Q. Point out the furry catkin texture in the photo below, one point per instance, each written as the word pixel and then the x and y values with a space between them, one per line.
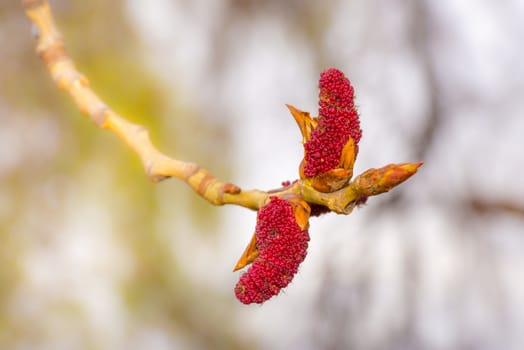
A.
pixel 337 122
pixel 282 247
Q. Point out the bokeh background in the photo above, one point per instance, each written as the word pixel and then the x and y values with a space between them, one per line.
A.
pixel 94 256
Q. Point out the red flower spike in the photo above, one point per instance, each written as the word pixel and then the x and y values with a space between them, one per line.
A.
pixel 282 246
pixel 337 122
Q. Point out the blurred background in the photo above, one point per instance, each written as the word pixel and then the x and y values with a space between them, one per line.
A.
pixel 94 256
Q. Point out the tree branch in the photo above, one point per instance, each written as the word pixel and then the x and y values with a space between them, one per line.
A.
pixel 159 166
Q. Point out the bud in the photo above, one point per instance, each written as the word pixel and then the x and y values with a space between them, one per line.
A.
pixel 376 181
pixel 281 240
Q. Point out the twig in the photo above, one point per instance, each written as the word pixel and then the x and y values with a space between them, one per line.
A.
pixel 159 166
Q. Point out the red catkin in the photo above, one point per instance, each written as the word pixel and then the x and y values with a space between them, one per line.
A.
pixel 337 122
pixel 282 247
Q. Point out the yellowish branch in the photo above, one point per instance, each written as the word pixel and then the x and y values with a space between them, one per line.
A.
pixel 158 166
